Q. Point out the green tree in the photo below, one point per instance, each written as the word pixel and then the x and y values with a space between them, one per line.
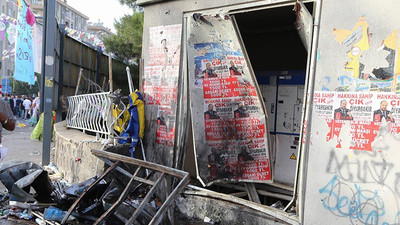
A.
pixel 23 88
pixel 130 3
pixel 127 43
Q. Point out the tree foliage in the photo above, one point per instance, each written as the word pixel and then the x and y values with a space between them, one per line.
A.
pixel 127 43
pixel 23 88
pixel 130 3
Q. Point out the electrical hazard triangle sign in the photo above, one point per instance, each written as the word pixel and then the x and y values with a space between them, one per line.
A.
pixel 293 156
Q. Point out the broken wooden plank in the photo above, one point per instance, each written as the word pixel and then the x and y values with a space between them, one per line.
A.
pixel 79 81
pixel 120 199
pixel 252 192
pixel 126 173
pixel 179 188
pixel 182 175
pixel 144 201
pixel 86 190
pixel 96 204
pixel 239 194
pixel 149 165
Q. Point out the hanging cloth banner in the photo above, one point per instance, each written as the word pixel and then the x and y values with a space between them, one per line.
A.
pixel 3 27
pixel 37 47
pixel 23 55
pixel 11 33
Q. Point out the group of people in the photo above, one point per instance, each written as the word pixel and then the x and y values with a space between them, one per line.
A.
pixel 24 106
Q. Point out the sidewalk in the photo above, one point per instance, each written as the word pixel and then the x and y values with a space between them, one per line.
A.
pixel 19 144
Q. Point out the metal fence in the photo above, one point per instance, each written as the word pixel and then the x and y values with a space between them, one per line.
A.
pixel 90 112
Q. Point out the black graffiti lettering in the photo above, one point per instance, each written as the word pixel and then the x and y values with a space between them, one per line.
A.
pixel 366 171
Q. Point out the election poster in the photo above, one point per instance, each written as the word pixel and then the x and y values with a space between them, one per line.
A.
pixel 37 47
pixel 160 92
pixel 229 124
pixel 362 112
pixel 160 81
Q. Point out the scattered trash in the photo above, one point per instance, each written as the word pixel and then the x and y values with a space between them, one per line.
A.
pixel 54 214
pixel 38 195
pixel 40 221
pixel 18 177
pixel 21 125
pixel 278 205
pixel 34 153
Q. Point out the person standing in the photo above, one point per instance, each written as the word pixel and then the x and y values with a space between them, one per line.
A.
pixel 36 107
pixel 18 106
pixel 27 105
pixel 7 119
pixel 12 104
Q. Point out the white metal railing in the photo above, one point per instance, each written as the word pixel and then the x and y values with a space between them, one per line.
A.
pixel 90 112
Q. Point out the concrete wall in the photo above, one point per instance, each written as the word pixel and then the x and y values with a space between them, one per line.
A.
pixel 72 154
pixel 353 173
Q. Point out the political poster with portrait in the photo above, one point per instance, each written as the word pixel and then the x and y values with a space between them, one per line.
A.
pixel 229 123
pixel 160 91
pixel 362 112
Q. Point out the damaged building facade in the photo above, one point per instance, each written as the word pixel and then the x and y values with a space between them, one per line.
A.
pixel 291 104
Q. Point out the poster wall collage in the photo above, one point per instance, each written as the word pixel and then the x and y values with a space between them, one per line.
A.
pixel 368 96
pixel 160 83
pixel 234 125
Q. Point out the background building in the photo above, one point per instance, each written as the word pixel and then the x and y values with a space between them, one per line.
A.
pixel 7 63
pixel 98 29
pixel 65 14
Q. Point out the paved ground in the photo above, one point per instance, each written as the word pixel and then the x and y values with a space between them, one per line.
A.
pixel 19 144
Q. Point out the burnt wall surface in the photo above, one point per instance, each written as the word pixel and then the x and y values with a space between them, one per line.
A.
pixel 194 208
pixel 163 24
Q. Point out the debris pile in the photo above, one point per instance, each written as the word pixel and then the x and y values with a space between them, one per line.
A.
pixel 37 195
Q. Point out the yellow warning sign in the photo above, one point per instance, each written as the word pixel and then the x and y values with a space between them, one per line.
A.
pixel 293 156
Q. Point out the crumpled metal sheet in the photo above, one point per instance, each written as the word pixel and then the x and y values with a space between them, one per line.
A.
pixel 18 177
pixel 77 189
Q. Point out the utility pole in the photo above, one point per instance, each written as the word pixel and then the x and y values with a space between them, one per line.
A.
pixel 48 76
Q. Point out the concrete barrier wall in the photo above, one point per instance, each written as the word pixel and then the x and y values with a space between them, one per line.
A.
pixel 72 154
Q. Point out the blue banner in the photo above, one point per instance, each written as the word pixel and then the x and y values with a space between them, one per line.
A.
pixel 23 49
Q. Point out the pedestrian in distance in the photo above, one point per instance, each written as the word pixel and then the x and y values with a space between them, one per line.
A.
pixel 27 105
pixel 12 104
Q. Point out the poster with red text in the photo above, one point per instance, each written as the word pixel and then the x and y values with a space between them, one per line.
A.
pixel 362 112
pixel 229 123
pixel 160 86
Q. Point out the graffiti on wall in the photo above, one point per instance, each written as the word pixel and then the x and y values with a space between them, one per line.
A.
pixel 363 186
pixel 359 108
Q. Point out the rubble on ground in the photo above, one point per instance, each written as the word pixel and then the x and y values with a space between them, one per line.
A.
pixel 37 195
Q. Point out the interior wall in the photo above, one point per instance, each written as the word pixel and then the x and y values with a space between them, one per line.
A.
pixel 279 61
pixel 271 39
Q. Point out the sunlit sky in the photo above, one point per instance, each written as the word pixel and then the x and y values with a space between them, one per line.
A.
pixel 104 10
